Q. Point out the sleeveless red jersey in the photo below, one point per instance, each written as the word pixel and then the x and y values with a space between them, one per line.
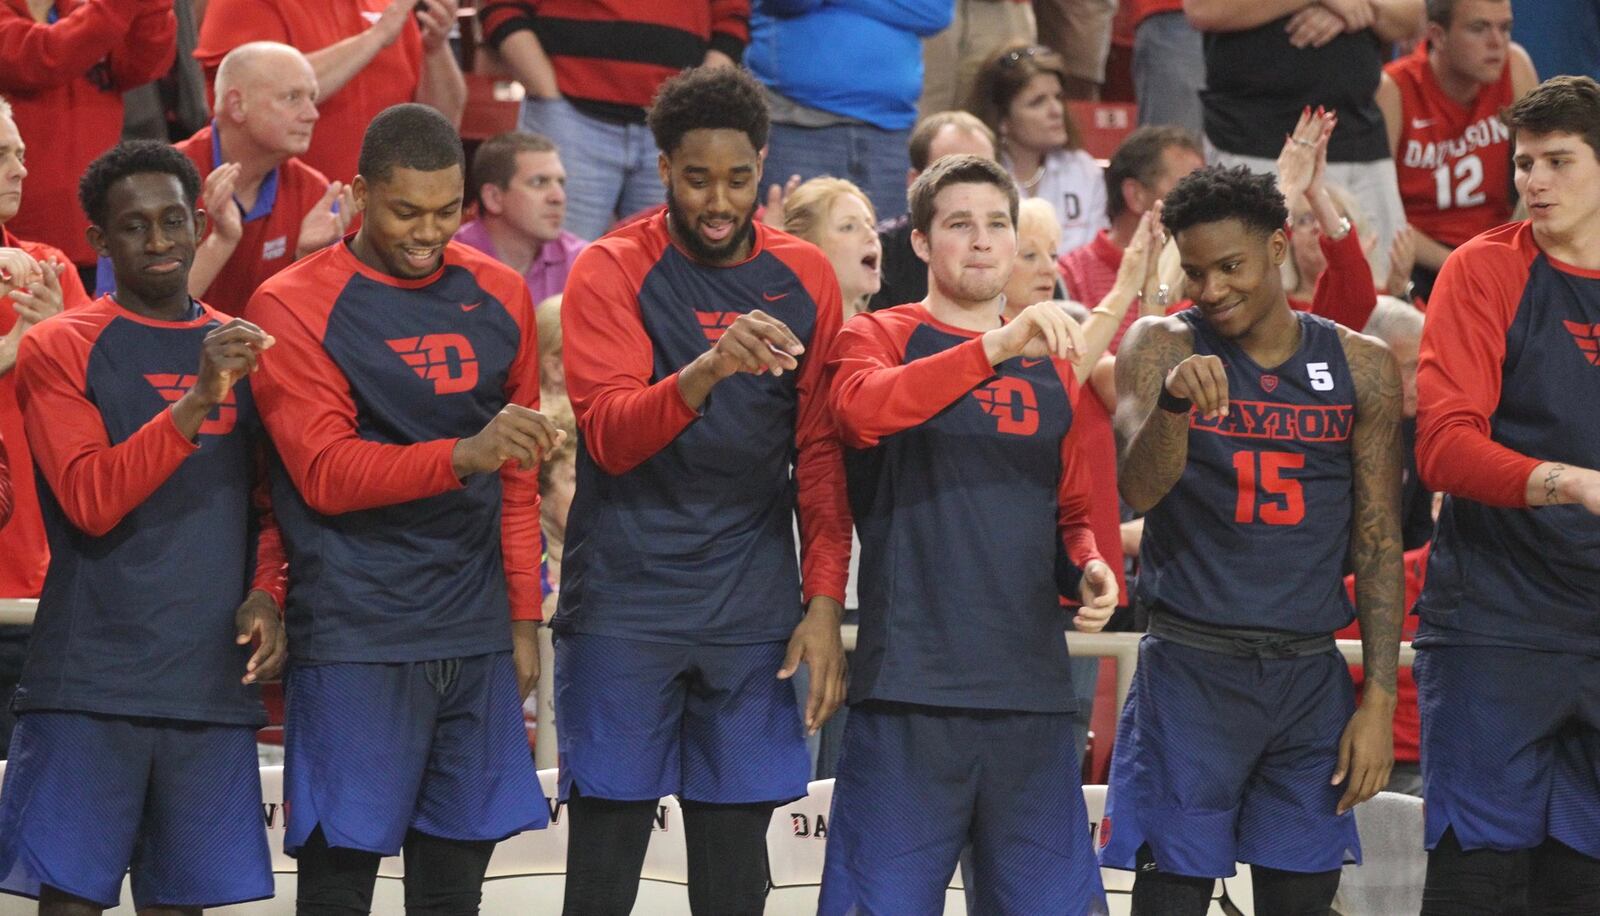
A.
pixel 1454 160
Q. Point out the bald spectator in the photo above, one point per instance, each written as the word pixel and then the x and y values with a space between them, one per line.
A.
pixel 521 189
pixel 945 133
pixel 36 281
pixel 266 207
pixel 367 56
pixel 66 66
pixel 1143 169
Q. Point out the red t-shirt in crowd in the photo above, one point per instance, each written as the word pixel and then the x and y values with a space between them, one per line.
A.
pixel 1454 160
pixel 22 541
pixel 389 79
pixel 64 78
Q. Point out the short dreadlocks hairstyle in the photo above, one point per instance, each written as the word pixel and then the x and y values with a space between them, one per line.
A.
pixel 1214 194
pixel 708 98
pixel 134 157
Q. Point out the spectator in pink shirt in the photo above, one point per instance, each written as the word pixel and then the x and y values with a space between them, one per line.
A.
pixel 522 209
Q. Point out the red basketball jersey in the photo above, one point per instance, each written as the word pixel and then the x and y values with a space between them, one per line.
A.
pixel 1454 160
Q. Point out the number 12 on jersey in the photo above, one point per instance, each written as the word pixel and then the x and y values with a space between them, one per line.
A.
pixel 1286 501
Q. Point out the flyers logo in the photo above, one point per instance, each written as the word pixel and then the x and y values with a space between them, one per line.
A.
pixel 715 324
pixel 1012 403
pixel 172 386
pixel 1587 337
pixel 446 359
pixel 1269 383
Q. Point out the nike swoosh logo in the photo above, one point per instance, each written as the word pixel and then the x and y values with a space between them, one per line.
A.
pixel 771 298
pixel 1421 123
pixel 371 15
pixel 467 308
pixel 1030 363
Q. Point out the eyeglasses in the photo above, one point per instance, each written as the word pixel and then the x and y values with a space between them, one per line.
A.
pixel 1015 57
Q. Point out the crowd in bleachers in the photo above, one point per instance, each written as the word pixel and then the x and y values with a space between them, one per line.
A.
pixel 1378 119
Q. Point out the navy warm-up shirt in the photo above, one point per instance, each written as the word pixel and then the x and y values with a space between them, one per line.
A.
pixel 1256 531
pixel 966 490
pixel 1510 377
pixel 153 538
pixel 372 382
pixel 682 526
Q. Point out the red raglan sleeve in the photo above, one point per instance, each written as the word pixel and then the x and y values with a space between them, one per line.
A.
pixel 521 538
pixel 147 51
pixel 42 55
pixel 95 482
pixel 307 407
pixel 5 486
pixel 272 561
pixel 1458 377
pixel 875 393
pixel 1345 293
pixel 1072 493
pixel 608 357
pixel 821 501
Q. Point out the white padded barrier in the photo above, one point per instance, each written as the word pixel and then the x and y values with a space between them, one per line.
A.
pixel 1394 863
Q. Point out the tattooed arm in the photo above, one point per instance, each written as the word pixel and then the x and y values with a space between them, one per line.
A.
pixel 1152 444
pixel 1366 752
pixel 1555 484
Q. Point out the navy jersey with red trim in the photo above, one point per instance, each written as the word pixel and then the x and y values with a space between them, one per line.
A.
pixel 1256 531
pixel 1509 376
pixel 372 382
pixel 153 538
pixel 966 492
pixel 682 525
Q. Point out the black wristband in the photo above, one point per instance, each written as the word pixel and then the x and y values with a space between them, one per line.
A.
pixel 1171 403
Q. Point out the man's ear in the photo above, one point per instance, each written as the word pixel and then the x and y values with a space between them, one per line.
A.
pixel 491 197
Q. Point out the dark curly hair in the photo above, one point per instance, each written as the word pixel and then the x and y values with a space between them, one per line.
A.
pixel 134 157
pixel 708 98
pixel 409 136
pixel 1213 194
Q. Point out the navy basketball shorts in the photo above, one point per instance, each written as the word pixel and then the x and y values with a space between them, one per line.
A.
pixel 87 796
pixel 642 720
pixel 918 783
pixel 1510 746
pixel 373 750
pixel 1221 759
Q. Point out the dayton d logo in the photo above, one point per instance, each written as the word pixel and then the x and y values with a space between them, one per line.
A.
pixel 1012 403
pixel 715 324
pixel 446 359
pixel 1587 337
pixel 172 386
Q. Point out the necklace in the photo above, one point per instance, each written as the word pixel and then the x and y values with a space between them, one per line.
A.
pixel 1033 182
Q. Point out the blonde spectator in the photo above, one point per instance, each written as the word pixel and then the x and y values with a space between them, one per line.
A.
pixel 552 376
pixel 558 479
pixel 1020 93
pixel 1033 275
pixel 837 217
